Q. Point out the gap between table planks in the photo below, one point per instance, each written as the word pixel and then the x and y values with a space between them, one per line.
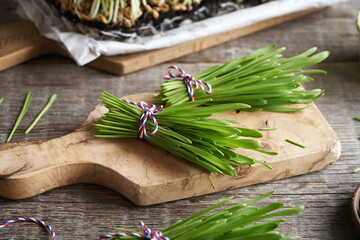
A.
pixel 20 42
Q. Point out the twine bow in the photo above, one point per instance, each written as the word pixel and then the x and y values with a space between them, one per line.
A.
pixel 28 219
pixel 148 234
pixel 149 111
pixel 189 81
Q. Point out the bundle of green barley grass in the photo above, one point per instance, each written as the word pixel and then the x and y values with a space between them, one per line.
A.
pixel 262 79
pixel 239 222
pixel 143 17
pixel 183 130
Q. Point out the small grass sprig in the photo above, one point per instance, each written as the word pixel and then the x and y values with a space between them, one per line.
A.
pixel 262 79
pixel 239 222
pixel 357 119
pixel 47 107
pixel 21 115
pixel 1 100
pixel 185 131
pixel 267 129
pixel 295 143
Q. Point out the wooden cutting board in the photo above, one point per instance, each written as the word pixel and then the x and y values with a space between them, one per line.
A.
pixel 146 175
pixel 20 42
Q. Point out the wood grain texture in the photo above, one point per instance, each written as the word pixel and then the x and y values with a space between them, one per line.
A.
pixel 149 176
pixel 83 211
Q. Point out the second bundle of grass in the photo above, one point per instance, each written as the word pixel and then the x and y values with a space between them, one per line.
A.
pixel 238 222
pixel 262 79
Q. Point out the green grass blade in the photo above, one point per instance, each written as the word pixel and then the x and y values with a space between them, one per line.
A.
pixel 199 213
pixel 45 109
pixel 21 115
pixel 295 143
pixel 238 222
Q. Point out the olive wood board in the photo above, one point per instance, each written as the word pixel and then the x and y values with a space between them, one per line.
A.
pixel 20 42
pixel 146 175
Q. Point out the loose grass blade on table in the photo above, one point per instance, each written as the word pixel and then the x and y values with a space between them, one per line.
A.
pixel 239 222
pixel 21 115
pixel 43 111
pixel 262 79
pixel 185 131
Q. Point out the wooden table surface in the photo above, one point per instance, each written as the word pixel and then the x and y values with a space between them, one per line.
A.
pixel 84 211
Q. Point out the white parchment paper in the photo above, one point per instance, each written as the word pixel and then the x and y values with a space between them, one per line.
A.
pixel 84 49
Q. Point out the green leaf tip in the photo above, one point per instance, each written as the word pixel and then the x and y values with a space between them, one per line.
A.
pixel 43 111
pixel 357 119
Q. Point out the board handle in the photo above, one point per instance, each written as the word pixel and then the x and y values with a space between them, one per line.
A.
pixel 30 168
pixel 21 41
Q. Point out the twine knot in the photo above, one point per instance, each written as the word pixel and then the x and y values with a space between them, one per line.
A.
pixel 152 235
pixel 189 81
pixel 149 110
pixel 148 234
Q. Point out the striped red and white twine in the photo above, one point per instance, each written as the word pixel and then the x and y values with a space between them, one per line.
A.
pixel 149 110
pixel 148 234
pixel 29 219
pixel 189 81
